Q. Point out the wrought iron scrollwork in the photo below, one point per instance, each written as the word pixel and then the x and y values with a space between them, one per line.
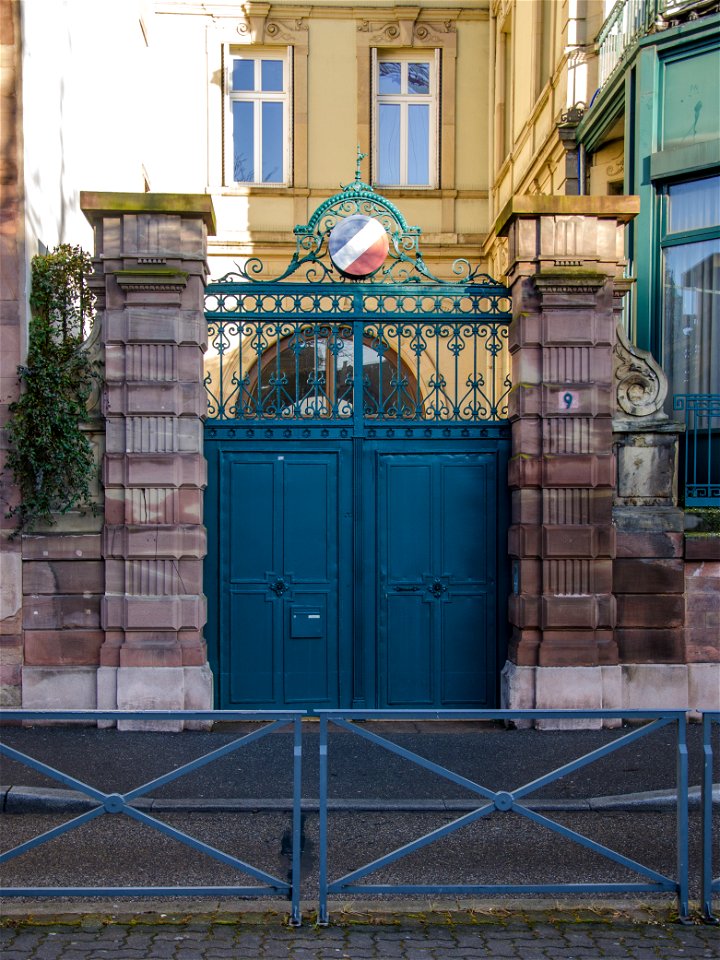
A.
pixel 400 346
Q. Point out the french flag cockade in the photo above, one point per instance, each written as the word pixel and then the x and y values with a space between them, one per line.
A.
pixel 358 245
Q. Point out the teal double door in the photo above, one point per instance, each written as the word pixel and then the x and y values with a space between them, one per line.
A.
pixel 356 573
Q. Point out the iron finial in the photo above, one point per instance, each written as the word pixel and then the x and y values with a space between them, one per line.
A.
pixel 360 158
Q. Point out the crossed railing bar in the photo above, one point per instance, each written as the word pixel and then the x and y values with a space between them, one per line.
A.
pixel 114 803
pixel 490 801
pixel 506 801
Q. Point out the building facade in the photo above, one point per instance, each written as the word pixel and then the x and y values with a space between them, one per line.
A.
pixel 416 486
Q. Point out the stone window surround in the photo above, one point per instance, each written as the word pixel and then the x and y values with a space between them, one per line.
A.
pixel 399 29
pixel 257 97
pixel 432 59
pixel 268 34
pixel 402 30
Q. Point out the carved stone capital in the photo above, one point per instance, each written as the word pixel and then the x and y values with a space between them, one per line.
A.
pixel 641 384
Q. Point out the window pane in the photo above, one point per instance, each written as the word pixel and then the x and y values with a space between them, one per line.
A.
pixel 243 142
pixel 419 143
pixel 694 205
pixel 691 99
pixel 243 75
pixel 691 313
pixel 418 78
pixel 271 74
pixel 272 143
pixel 389 79
pixel 389 143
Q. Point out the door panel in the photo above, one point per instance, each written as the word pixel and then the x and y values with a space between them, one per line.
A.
pixel 281 597
pixel 436 542
pixel 349 586
pixel 467 644
pixel 310 513
pixel 310 669
pixel 251 671
pixel 403 497
pixel 465 496
pixel 409 674
pixel 252 489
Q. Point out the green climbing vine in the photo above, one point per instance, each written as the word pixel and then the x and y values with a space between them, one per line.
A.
pixel 50 457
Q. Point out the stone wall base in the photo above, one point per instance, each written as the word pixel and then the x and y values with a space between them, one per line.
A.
pixel 121 688
pixel 628 686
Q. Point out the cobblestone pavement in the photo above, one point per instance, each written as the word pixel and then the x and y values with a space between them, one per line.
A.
pixel 212 941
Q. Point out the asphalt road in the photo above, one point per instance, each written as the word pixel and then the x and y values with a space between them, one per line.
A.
pixel 496 757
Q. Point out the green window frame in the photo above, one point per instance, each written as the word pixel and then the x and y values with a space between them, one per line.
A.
pixel 689 277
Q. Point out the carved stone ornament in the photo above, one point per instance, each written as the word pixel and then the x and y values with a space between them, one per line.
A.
pixel 380 32
pixel 641 383
pixel 255 27
pixel 407 32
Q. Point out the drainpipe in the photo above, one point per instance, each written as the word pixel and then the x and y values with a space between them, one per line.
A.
pixel 582 168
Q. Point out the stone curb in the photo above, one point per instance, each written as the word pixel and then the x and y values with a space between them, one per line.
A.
pixel 22 799
pixel 406 910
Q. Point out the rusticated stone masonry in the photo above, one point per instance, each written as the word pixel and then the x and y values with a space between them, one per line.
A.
pixel 150 278
pixel 562 272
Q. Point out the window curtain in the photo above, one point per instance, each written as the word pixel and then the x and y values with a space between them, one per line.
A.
pixel 691 349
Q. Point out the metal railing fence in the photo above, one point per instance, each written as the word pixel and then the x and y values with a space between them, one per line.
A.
pixel 627 22
pixel 115 803
pixel 507 801
pixel 710 884
pixel 702 447
pixel 489 801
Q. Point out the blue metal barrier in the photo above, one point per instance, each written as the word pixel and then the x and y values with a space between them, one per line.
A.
pixel 122 803
pixel 709 885
pixel 507 801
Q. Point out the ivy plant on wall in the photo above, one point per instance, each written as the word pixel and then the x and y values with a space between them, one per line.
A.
pixel 50 457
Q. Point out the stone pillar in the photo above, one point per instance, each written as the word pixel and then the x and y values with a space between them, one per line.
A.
pixel 151 271
pixel 565 255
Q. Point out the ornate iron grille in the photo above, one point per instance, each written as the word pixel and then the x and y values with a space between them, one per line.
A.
pixel 702 447
pixel 402 345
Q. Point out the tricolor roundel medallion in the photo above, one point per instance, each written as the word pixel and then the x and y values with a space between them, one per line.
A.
pixel 358 245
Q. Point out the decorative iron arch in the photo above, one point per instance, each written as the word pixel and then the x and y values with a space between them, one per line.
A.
pixel 311 260
pixel 451 333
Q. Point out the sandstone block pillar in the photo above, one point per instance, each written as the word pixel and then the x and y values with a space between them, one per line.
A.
pixel 150 278
pixel 565 259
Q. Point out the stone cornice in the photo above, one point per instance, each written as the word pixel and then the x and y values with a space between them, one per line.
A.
pixel 622 209
pixel 384 11
pixel 199 206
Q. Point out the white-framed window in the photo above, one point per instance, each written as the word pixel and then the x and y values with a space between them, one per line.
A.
pixel 257 126
pixel 406 118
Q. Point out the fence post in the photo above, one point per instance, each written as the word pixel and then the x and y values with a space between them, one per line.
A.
pixel 323 839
